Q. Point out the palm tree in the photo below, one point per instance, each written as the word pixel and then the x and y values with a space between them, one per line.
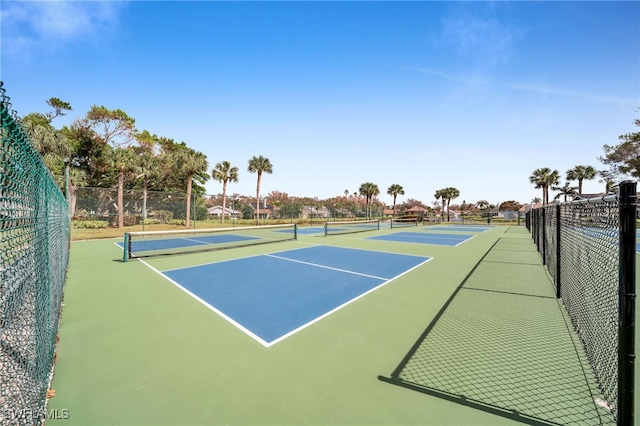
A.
pixel 580 173
pixel 369 190
pixel 150 168
pixel 543 178
pixel 148 165
pixel 439 195
pixel 395 190
pixel 482 204
pixel 223 172
pixel 54 146
pixel 449 194
pixel 259 165
pixel 608 178
pixel 123 161
pixel 190 164
pixel 567 190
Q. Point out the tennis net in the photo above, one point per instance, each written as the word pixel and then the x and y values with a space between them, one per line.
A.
pixel 157 243
pixel 404 222
pixel 589 249
pixel 352 226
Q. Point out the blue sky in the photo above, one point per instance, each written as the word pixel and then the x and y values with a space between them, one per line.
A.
pixel 474 95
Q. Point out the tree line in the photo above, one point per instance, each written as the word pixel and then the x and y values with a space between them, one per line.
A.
pixel 623 160
pixel 104 149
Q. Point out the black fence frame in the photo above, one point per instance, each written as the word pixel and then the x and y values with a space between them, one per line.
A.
pixel 546 231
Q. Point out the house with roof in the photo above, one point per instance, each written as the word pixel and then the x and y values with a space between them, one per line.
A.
pixel 217 211
pixel 310 212
pixel 587 196
pixel 526 208
pixel 264 212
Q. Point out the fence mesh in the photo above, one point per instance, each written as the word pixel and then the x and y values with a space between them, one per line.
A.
pixel 101 205
pixel 581 245
pixel 34 253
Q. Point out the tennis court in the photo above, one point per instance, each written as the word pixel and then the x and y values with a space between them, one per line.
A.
pixel 362 325
pixel 272 296
pixel 424 238
pixel 332 330
pixel 458 228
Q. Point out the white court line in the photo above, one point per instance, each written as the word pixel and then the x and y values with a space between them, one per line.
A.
pixel 238 258
pixel 196 241
pixel 213 308
pixel 303 326
pixel 420 239
pixel 363 249
pixel 326 267
pixel 348 302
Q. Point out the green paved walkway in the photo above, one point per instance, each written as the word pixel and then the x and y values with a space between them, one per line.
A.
pixel 503 345
pixel 136 350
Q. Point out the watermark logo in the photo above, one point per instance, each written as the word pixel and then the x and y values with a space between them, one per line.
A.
pixel 26 414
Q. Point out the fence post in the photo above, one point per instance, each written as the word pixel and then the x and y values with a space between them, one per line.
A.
pixel 544 235
pixel 125 247
pixel 627 303
pixel 558 248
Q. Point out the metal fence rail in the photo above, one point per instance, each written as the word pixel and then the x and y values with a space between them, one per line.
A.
pixel 34 254
pixel 589 248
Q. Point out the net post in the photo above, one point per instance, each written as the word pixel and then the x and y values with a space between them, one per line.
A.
pixel 125 248
pixel 67 180
pixel 325 229
pixel 378 224
pixel 193 209
pixel 295 231
pixel 558 253
pixel 627 309
pixel 543 224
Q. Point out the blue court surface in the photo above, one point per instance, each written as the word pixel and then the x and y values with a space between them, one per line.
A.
pixel 308 230
pixel 458 228
pixel 424 238
pixel 337 229
pixel 272 296
pixel 185 241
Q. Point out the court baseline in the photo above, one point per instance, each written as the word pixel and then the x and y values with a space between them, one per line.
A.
pixel 272 296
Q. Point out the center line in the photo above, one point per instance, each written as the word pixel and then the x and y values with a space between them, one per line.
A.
pixel 327 267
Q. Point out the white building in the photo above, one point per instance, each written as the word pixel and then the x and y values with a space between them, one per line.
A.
pixel 228 212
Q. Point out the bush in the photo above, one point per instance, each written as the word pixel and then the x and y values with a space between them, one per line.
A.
pixel 177 222
pixel 130 220
pixel 164 216
pixel 90 224
pixel 201 213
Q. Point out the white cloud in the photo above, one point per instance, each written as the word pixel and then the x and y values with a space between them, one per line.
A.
pixel 532 88
pixel 29 26
pixel 482 40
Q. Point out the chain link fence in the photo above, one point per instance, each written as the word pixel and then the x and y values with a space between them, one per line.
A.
pixel 34 254
pixel 589 249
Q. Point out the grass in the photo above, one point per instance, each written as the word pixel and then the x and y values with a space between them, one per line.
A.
pixel 78 234
pixel 113 232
